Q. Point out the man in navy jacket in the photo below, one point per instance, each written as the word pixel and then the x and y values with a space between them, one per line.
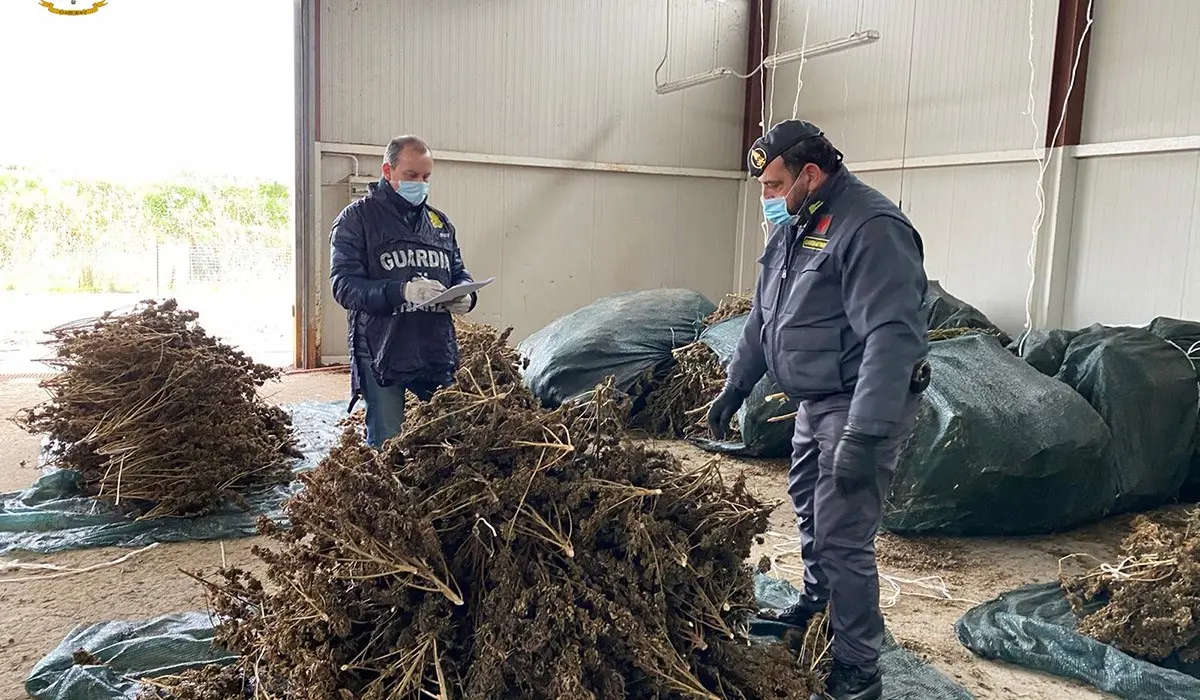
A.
pixel 389 253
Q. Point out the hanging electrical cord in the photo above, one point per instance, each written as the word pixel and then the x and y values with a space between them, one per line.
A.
pixel 912 44
pixel 770 121
pixel 763 51
pixel 1044 154
pixel 800 71
pixel 730 71
pixel 666 50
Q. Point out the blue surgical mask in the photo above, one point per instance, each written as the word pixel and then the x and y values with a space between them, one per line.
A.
pixel 776 211
pixel 414 191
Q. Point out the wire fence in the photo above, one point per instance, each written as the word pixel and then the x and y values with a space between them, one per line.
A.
pixel 244 294
pixel 72 249
pixel 152 268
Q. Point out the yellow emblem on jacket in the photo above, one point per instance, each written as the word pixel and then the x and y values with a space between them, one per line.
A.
pixel 436 220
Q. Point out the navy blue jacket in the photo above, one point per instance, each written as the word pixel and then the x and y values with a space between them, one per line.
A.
pixel 377 245
pixel 838 306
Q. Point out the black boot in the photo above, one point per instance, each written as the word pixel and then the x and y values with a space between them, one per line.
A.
pixel 851 683
pixel 798 615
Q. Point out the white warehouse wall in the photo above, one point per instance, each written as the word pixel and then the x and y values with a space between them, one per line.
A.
pixel 544 79
pixel 1135 249
pixel 934 115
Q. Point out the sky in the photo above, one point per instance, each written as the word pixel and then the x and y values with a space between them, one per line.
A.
pixel 145 89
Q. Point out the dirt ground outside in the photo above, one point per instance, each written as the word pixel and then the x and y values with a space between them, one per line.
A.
pixel 35 616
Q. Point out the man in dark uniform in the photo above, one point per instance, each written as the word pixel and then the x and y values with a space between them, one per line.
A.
pixel 389 253
pixel 837 322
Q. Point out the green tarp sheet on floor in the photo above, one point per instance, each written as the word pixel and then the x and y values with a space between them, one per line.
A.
pixel 1034 627
pixel 173 643
pixel 53 515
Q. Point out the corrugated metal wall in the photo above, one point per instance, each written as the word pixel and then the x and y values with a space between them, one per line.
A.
pixel 548 79
pixel 935 114
pixel 948 82
pixel 1136 249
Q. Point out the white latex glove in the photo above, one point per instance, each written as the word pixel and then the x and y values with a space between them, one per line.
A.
pixel 458 306
pixel 420 290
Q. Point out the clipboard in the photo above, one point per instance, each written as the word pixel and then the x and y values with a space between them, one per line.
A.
pixel 456 292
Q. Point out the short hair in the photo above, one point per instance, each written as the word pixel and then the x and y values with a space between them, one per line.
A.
pixel 396 146
pixel 817 150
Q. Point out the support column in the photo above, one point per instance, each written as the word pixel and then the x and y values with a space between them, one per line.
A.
pixel 757 49
pixel 1053 254
pixel 306 341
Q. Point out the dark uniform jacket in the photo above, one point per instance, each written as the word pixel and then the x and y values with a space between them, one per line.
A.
pixel 377 245
pixel 838 306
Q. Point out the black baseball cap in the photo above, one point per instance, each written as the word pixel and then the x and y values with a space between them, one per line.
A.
pixel 782 138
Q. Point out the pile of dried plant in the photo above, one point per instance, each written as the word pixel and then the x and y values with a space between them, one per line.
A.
pixel 473 339
pixel 677 402
pixel 677 405
pixel 157 416
pixel 1149 600
pixel 732 306
pixel 204 683
pixel 498 549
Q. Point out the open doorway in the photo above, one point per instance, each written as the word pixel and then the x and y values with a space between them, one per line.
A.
pixel 147 150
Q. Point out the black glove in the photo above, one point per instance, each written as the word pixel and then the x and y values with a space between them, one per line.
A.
pixel 854 462
pixel 722 411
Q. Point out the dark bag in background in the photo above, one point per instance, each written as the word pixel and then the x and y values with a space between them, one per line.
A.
pixel 998 449
pixel 625 336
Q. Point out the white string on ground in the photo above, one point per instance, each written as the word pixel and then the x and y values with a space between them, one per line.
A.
pixel 803 60
pixel 931 587
pixel 1044 154
pixel 61 572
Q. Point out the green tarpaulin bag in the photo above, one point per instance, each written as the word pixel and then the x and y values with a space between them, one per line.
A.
pixel 992 431
pixel 944 311
pixel 1044 350
pixel 1145 390
pixel 1184 335
pixel 624 336
pixel 127 650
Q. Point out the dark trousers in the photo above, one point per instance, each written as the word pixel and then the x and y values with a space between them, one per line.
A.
pixel 385 407
pixel 837 534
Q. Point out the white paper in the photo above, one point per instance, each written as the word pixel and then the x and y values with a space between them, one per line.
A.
pixel 456 292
